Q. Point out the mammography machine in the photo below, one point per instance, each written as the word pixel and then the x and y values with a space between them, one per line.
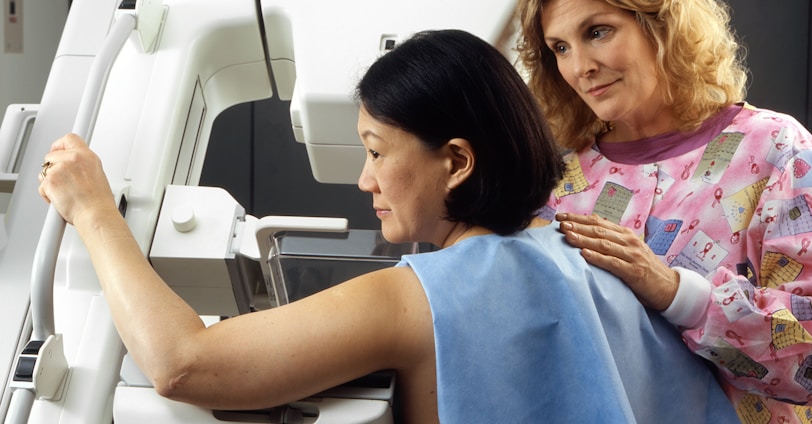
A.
pixel 143 81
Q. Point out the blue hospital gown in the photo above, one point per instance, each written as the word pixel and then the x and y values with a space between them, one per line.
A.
pixel 526 331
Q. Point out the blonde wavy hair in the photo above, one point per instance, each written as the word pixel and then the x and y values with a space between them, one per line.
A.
pixel 698 57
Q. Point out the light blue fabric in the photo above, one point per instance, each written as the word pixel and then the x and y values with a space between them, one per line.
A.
pixel 527 332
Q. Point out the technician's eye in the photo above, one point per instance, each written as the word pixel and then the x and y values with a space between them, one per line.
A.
pixel 599 33
pixel 559 49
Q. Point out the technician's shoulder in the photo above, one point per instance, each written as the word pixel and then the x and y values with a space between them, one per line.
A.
pixel 778 124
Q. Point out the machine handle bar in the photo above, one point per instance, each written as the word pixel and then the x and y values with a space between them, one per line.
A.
pixel 45 256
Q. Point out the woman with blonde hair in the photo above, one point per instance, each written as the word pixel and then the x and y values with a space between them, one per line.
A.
pixel 697 200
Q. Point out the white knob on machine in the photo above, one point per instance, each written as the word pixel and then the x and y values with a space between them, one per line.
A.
pixel 183 218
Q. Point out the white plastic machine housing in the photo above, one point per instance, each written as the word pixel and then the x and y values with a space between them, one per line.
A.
pixel 308 41
pixel 156 110
pixel 151 131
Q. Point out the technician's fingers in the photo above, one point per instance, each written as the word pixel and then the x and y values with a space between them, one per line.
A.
pixel 592 232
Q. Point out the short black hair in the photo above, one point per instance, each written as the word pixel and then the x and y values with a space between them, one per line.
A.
pixel 445 84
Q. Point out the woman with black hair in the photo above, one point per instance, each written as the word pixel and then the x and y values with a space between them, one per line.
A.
pixel 504 323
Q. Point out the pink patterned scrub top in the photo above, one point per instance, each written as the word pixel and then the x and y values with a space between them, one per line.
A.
pixel 728 206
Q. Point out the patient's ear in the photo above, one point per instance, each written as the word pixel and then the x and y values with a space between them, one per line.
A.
pixel 461 161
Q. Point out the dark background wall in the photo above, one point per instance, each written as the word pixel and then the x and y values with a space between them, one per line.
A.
pixel 253 154
pixel 777 37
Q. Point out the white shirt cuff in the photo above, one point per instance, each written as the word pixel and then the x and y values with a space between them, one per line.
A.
pixel 690 305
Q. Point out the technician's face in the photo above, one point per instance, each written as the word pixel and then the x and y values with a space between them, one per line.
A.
pixel 407 182
pixel 604 55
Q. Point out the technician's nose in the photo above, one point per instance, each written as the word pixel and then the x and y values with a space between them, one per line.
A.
pixel 583 64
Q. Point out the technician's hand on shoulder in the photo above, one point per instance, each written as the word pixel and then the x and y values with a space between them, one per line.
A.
pixel 620 251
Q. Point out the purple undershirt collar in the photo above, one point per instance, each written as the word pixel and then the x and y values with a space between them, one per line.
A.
pixel 670 144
